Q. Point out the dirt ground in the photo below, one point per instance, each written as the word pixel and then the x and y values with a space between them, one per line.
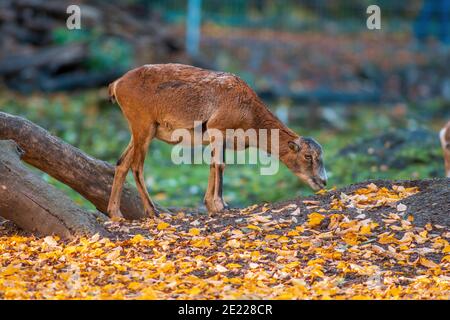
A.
pixel 430 205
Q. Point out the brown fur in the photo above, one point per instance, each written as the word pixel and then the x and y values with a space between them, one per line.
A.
pixel 157 99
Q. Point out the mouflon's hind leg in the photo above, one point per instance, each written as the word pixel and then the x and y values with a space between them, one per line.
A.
pixel 122 167
pixel 219 203
pixel 141 144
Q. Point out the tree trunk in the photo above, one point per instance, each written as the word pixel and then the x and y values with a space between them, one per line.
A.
pixel 36 206
pixel 90 177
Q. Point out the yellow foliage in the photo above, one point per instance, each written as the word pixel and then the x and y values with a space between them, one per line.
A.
pixel 162 225
pixel 194 231
pixel 314 219
pixel 259 256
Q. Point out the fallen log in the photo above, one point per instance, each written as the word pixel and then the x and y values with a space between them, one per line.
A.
pixel 88 176
pixel 35 206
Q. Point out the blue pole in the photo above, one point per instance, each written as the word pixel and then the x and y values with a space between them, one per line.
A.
pixel 445 21
pixel 193 27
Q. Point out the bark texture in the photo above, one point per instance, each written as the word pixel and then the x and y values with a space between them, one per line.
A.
pixel 88 176
pixel 35 206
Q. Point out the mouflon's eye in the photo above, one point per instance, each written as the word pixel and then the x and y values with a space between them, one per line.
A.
pixel 308 157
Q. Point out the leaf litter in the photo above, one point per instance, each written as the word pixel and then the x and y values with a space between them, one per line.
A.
pixel 360 243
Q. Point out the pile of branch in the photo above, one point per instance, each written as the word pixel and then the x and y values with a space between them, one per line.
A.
pixel 31 60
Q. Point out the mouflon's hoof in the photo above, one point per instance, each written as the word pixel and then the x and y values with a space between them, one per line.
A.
pixel 115 215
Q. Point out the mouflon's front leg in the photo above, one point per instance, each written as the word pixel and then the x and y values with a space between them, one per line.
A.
pixel 214 194
pixel 213 197
pixel 209 194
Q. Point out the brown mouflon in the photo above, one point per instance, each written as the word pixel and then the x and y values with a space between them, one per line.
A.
pixel 158 99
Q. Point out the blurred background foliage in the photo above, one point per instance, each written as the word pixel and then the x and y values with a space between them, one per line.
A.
pixel 103 52
pixel 374 99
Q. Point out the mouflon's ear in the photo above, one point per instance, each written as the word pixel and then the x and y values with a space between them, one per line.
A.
pixel 294 146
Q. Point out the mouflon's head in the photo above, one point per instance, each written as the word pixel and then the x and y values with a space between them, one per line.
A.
pixel 304 159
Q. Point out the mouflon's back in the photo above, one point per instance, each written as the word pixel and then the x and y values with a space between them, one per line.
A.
pixel 177 91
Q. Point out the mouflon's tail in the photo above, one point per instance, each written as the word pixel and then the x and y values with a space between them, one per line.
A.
pixel 112 92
